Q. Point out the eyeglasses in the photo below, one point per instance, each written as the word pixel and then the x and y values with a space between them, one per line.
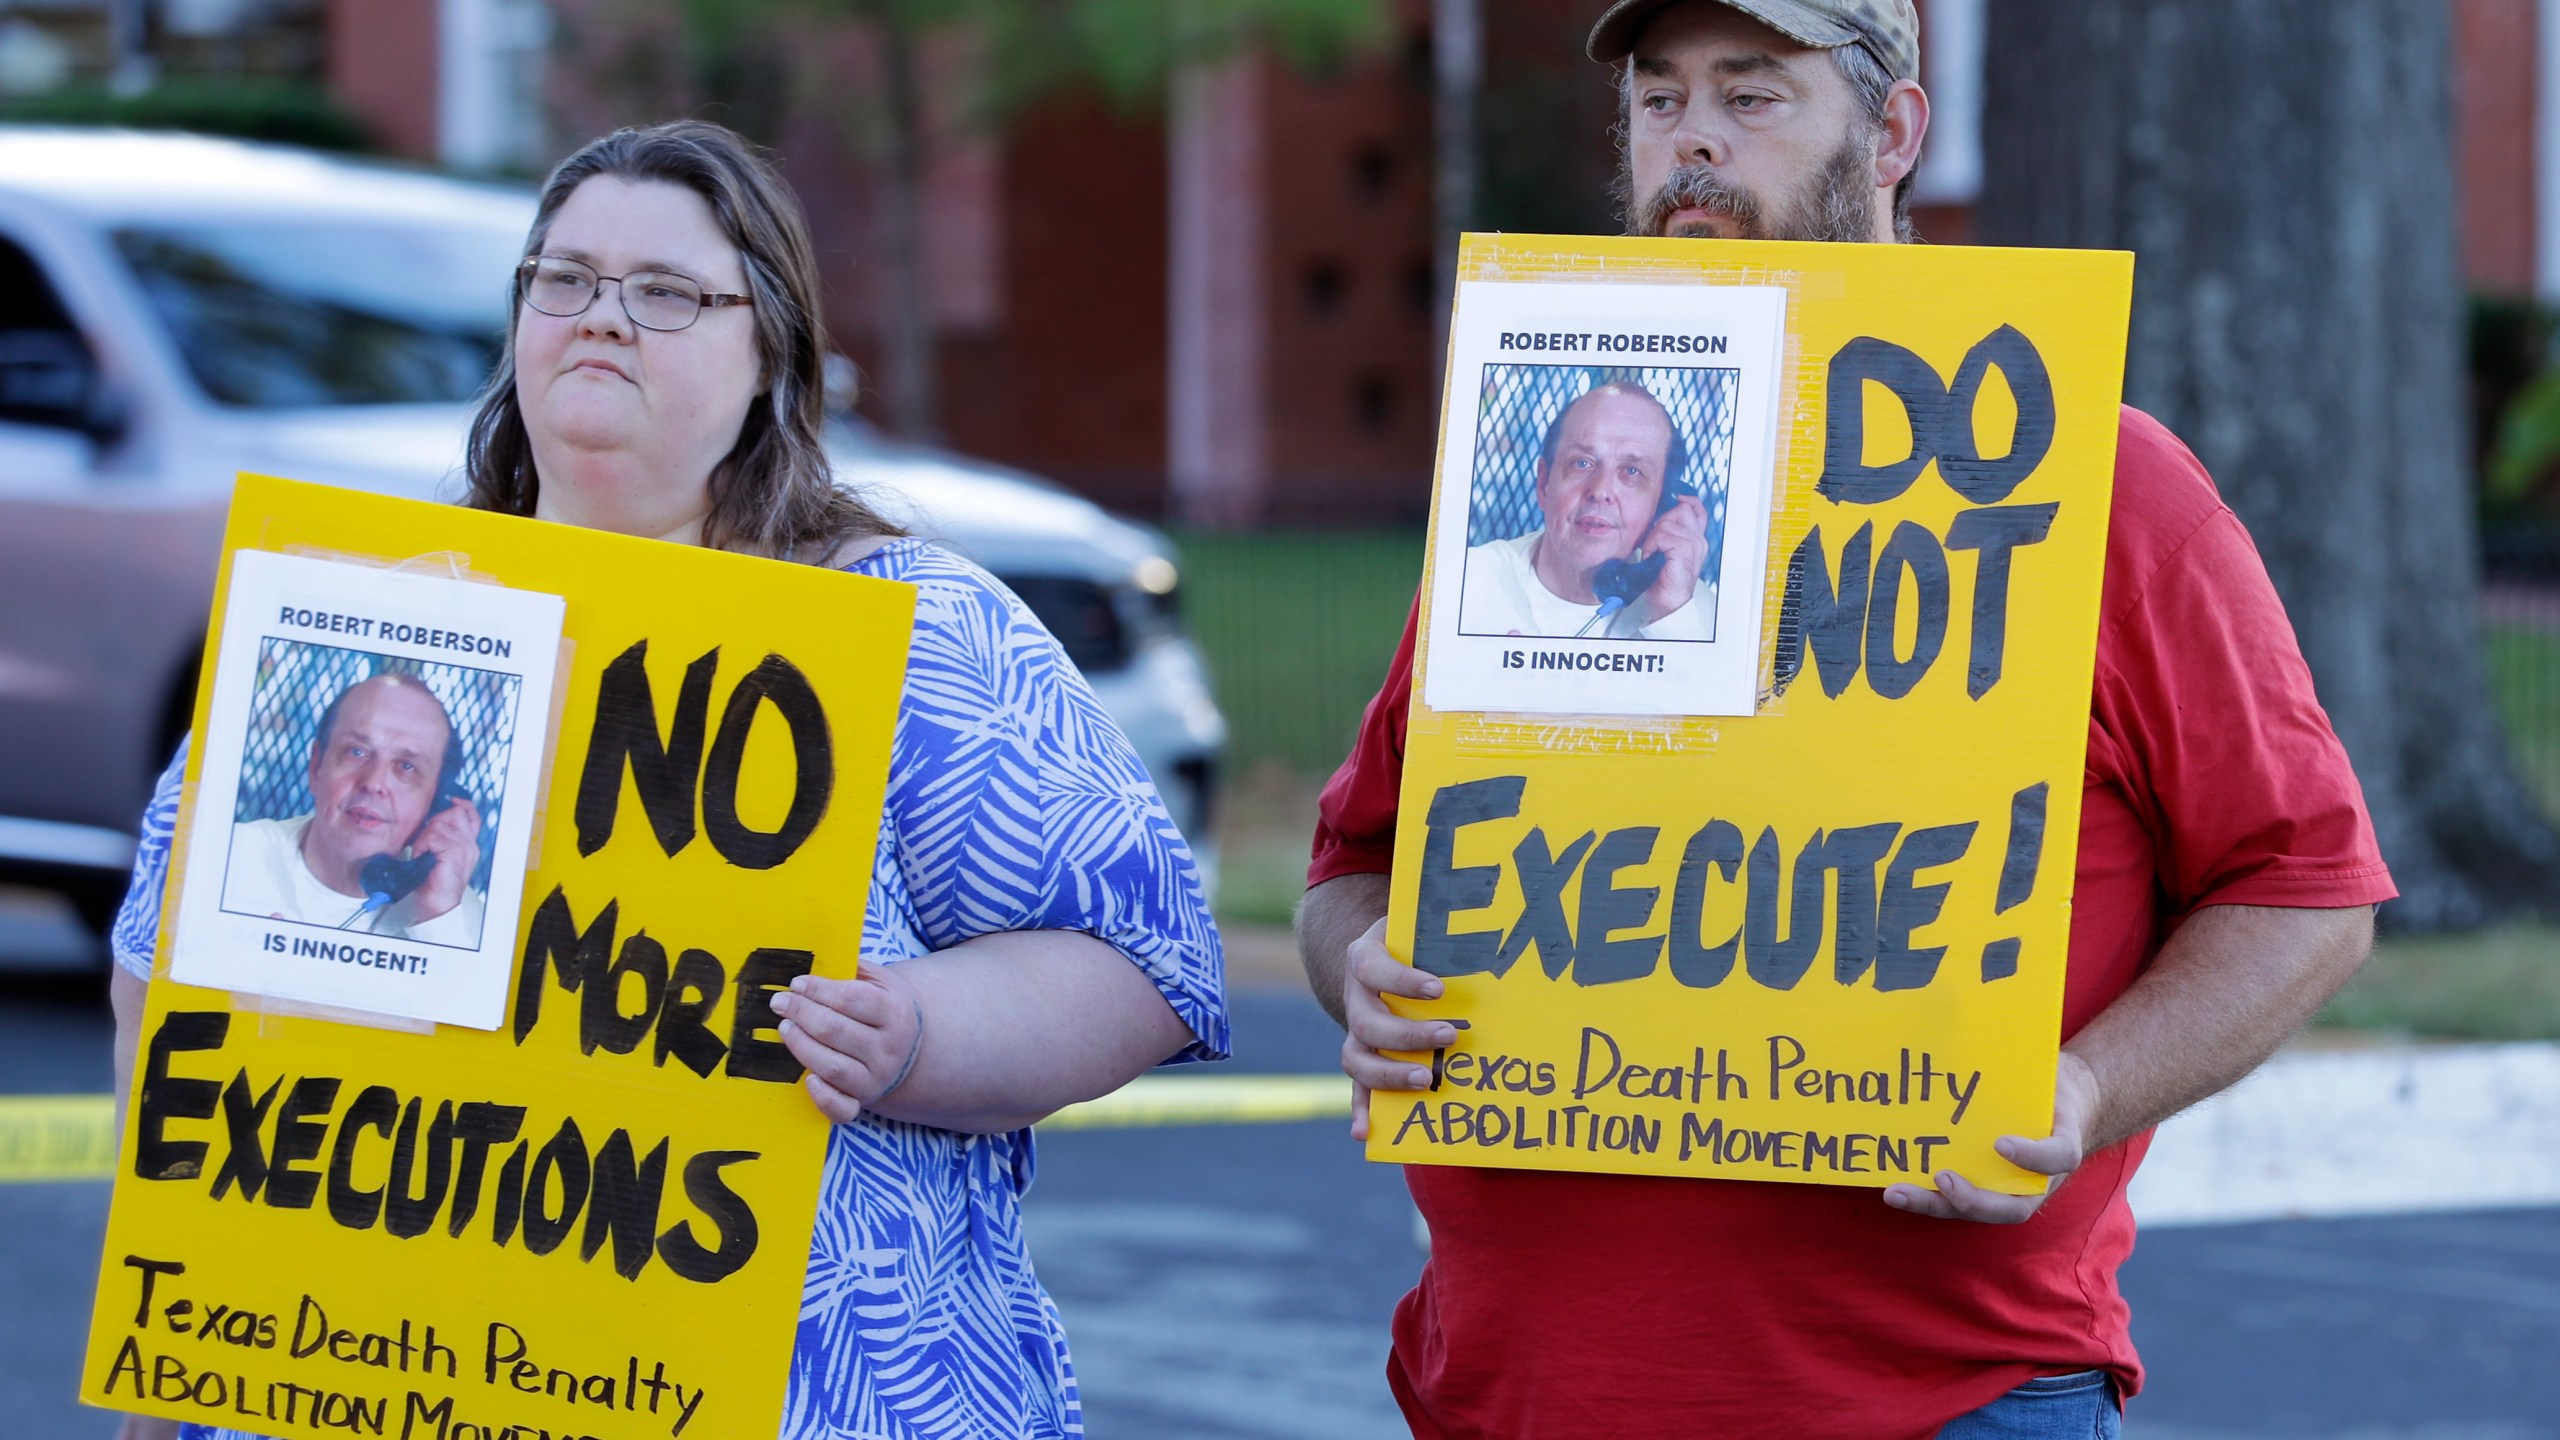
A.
pixel 654 299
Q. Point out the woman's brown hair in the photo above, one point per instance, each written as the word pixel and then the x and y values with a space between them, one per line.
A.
pixel 775 493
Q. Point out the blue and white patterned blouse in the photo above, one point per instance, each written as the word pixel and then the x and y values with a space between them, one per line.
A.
pixel 1014 803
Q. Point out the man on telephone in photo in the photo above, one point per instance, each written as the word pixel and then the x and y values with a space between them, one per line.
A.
pixel 1620 549
pixel 391 840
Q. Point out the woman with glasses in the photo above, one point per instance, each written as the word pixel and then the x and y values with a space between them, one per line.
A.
pixel 1035 933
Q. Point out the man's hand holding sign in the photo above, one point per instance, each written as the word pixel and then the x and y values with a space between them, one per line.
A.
pixel 1374 1031
pixel 2227 988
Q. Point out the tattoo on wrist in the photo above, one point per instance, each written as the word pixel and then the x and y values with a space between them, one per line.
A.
pixel 914 1049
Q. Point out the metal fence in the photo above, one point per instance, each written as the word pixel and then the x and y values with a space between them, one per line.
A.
pixel 297 680
pixel 2520 632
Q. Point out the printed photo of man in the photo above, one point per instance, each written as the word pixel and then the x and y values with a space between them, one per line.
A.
pixel 377 852
pixel 1617 554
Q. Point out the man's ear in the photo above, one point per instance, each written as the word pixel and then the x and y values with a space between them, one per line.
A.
pixel 1906 126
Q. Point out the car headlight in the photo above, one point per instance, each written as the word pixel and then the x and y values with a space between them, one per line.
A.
pixel 1083 615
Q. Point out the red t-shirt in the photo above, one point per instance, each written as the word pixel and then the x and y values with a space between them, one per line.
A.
pixel 1568 1305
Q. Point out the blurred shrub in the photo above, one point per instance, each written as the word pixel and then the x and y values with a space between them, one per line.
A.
pixel 1297 629
pixel 2524 449
pixel 2487 985
pixel 289 113
pixel 2515 396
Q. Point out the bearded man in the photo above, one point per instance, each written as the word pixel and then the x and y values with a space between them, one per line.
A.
pixel 2226 877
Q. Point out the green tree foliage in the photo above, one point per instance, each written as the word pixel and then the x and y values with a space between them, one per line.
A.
pixel 1130 49
pixel 295 114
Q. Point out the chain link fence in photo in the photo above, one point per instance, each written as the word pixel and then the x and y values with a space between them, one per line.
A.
pixel 297 680
pixel 1520 403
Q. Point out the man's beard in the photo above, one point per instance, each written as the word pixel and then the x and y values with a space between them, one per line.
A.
pixel 1838 204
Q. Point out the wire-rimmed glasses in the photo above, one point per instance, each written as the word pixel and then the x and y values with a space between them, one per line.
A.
pixel 654 299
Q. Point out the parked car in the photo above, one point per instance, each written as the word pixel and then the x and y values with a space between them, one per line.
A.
pixel 175 309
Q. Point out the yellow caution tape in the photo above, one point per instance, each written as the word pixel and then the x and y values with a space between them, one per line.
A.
pixel 1209 1100
pixel 57 1137
pixel 72 1137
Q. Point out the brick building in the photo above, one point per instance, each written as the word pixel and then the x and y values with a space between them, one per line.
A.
pixel 1224 311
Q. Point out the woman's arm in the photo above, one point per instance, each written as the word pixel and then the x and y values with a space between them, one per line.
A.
pixel 989 1036
pixel 1070 945
pixel 126 992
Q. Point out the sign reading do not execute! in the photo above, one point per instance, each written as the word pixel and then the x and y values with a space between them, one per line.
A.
pixel 594 1219
pixel 1801 912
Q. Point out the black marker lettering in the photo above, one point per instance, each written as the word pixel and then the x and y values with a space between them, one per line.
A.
pixel 751 1056
pixel 664 772
pixel 1909 906
pixel 776 682
pixel 729 1216
pixel 1988 482
pixel 1846 477
pixel 1830 622
pixel 554 942
pixel 624 1206
pixel 1998 534
pixel 1693 962
pixel 1776 963
pixel 1448 888
pixel 1542 922
pixel 1915 550
pixel 1853 855
pixel 165 1097
pixel 1606 906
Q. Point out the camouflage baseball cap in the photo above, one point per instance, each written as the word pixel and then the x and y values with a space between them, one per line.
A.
pixel 1890 29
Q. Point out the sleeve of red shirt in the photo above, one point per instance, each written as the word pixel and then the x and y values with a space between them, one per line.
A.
pixel 1356 815
pixel 2204 710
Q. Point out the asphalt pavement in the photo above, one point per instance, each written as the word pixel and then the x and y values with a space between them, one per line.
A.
pixel 1234 1281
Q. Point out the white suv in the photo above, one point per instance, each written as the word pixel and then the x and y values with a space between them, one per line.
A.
pixel 174 309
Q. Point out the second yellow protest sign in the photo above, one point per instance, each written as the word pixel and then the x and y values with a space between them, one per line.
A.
pixel 1742 775
pixel 594 1219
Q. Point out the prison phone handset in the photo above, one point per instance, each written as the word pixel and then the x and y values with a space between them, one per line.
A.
pixel 389 878
pixel 1619 581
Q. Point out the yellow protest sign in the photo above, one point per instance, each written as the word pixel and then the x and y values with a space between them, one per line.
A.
pixel 595 1219
pixel 1811 928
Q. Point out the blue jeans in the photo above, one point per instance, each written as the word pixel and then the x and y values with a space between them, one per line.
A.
pixel 2050 1407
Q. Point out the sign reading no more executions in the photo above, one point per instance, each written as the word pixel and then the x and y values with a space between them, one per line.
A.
pixel 1809 928
pixel 594 1219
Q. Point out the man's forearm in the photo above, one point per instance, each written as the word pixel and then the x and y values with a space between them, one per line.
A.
pixel 2232 984
pixel 1333 915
